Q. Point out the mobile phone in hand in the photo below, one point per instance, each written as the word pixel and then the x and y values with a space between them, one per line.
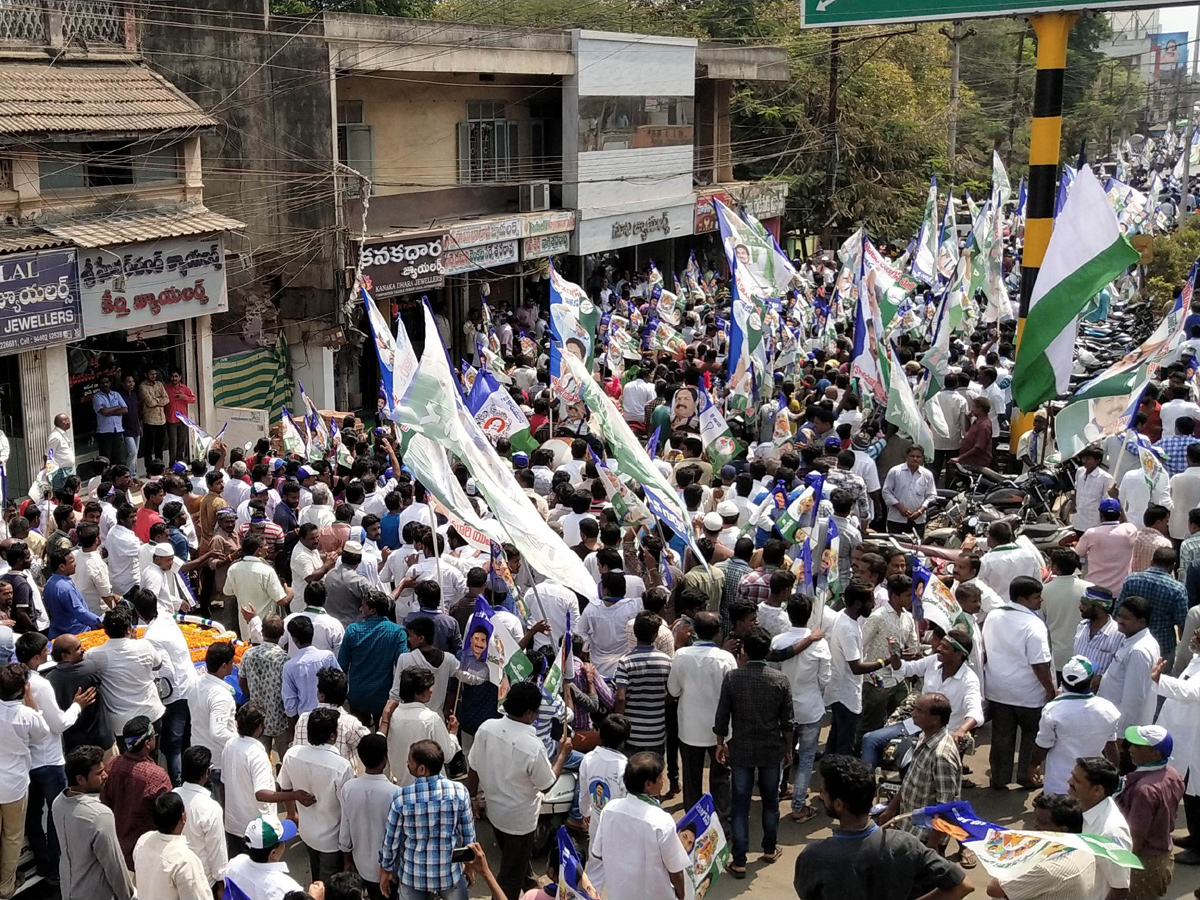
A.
pixel 462 855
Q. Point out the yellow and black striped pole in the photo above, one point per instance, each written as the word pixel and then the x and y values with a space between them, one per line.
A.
pixel 1052 30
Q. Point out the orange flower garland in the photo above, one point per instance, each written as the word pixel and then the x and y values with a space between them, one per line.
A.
pixel 198 638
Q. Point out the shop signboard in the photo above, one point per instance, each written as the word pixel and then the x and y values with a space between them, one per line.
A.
pixel 546 245
pixel 458 260
pixel 39 300
pixel 488 231
pixel 132 286
pixel 553 222
pixel 830 13
pixel 764 199
pixel 403 266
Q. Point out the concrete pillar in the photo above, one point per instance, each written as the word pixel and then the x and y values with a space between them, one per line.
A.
pixel 45 393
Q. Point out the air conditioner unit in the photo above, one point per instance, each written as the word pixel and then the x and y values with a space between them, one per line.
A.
pixel 535 196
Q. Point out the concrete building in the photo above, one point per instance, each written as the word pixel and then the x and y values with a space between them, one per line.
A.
pixel 110 263
pixel 489 149
pixel 441 159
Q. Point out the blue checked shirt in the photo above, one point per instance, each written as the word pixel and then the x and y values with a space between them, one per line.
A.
pixel 428 819
pixel 1168 604
pixel 1175 450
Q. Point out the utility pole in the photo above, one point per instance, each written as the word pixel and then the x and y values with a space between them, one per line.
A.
pixel 831 117
pixel 1016 95
pixel 956 36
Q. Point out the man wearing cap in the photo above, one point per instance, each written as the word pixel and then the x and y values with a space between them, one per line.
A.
pixel 1075 723
pixel 159 578
pixel 1108 548
pixel 1092 484
pixel 730 516
pixel 1097 637
pixel 260 873
pixel 1127 682
pixel 1149 802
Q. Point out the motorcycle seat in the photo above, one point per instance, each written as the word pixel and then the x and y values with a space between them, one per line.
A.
pixel 1040 530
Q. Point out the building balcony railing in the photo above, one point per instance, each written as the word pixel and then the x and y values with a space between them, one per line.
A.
pixel 74 25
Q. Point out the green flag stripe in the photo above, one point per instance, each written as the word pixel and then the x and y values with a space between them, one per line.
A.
pixel 1033 375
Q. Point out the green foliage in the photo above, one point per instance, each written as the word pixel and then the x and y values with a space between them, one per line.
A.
pixel 1174 254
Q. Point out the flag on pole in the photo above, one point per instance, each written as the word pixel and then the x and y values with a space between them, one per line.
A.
pixel 902 409
pixel 573 884
pixel 924 261
pixel 498 414
pixel 292 441
pixel 715 435
pixel 796 514
pixel 625 503
pixel 1086 252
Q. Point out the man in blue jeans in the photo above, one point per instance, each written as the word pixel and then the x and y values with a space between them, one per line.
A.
pixel 757 700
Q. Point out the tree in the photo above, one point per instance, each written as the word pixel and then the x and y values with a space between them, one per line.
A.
pixel 407 8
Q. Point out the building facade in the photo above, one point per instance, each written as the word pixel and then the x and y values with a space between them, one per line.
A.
pixel 110 264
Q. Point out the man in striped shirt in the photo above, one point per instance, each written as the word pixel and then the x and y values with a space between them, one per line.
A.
pixel 1097 638
pixel 641 683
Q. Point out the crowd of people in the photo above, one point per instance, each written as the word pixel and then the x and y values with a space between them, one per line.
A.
pixel 355 711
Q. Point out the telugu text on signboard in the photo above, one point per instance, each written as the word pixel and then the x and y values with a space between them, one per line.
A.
pixel 405 266
pixel 134 285
pixel 39 300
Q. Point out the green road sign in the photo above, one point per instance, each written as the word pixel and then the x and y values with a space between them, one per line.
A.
pixel 828 13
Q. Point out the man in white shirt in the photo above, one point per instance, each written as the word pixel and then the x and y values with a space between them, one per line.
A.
pixel 1092 485
pixel 602 624
pixel 1074 724
pixel 1127 683
pixel 318 768
pixel 846 669
pixel 695 679
pixel 308 564
pixel 908 490
pixel 1017 678
pixel 164 865
pixel 91 571
pixel 213 708
pixel 1185 496
pixel 1094 781
pixel 808 673
pixel 47 772
pixel 953 407
pixel 509 763
pixel 602 780
pixel 1006 560
pixel 177 681
pixel 328 632
pixel 62 444
pixel 555 604
pixel 158 577
pixel 1137 490
pixel 411 720
pixel 128 668
pixel 366 801
pixel 123 548
pixel 1171 411
pixel 634 397
pixel 642 852
pixel 204 829
pixel 249 781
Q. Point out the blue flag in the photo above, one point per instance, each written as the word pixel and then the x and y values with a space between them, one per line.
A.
pixel 652 445
pixel 571 880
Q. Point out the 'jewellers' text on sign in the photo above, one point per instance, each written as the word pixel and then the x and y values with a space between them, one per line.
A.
pixel 135 285
pixel 39 300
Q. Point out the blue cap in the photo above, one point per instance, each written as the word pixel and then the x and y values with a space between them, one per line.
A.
pixel 179 468
pixel 520 460
pixel 1110 505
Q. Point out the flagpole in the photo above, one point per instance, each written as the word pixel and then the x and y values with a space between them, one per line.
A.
pixel 437 556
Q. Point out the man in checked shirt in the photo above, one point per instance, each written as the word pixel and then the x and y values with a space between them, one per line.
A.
pixel 428 819
pixel 935 775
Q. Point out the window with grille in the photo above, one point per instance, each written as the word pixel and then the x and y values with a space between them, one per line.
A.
pixel 488 144
pixel 356 142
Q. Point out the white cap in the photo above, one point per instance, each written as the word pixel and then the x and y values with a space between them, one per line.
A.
pixel 161 550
